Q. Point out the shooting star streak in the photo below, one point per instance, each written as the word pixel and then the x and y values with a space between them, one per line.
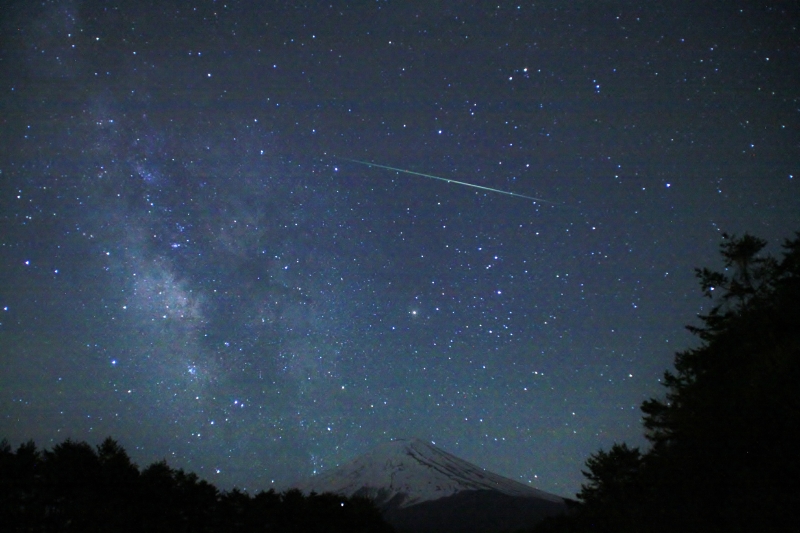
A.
pixel 367 163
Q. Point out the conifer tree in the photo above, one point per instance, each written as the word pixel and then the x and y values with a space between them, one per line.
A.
pixel 724 439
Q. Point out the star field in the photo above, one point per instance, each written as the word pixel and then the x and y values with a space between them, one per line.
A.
pixel 192 262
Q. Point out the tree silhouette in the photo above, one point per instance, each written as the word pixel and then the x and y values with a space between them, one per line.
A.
pixel 724 439
pixel 74 487
pixel 19 501
pixel 613 484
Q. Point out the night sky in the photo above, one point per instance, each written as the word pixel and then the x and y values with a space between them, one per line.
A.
pixel 191 263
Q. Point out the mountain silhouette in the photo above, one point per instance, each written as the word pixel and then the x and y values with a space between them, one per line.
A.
pixel 421 488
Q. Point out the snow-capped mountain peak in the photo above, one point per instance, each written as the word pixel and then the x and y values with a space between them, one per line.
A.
pixel 409 472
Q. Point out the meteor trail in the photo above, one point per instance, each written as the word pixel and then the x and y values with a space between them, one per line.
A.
pixel 448 180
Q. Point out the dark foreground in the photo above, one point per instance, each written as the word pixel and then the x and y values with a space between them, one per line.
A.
pixel 74 487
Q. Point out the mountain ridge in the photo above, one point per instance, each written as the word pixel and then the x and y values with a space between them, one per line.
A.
pixel 411 471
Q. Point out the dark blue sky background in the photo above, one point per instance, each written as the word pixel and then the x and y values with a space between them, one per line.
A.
pixel 190 263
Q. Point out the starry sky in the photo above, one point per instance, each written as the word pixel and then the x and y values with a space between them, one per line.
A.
pixel 191 262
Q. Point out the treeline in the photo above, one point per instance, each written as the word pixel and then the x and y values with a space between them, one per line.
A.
pixel 74 487
pixel 725 440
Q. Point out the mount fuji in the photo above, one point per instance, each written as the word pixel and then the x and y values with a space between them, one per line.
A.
pixel 422 488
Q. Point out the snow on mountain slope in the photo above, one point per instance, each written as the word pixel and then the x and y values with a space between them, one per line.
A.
pixel 411 472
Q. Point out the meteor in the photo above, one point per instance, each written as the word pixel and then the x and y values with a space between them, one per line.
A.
pixel 509 193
